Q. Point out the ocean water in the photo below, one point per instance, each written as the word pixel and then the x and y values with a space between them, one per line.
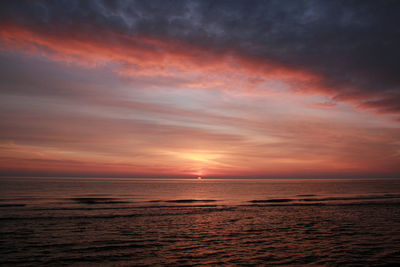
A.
pixel 153 222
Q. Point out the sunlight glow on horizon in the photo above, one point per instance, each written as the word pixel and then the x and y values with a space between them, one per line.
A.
pixel 154 105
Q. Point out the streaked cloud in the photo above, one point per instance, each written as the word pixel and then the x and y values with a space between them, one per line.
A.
pixel 183 88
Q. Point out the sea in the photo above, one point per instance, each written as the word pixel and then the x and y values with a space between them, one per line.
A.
pixel 192 222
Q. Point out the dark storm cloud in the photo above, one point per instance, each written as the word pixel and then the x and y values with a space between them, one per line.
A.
pixel 353 45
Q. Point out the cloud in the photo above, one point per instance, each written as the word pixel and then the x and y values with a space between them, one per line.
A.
pixel 173 140
pixel 389 104
pixel 155 88
pixel 345 50
pixel 324 105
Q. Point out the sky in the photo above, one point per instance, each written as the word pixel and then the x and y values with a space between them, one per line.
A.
pixel 273 89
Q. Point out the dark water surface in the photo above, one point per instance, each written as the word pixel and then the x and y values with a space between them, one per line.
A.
pixel 125 222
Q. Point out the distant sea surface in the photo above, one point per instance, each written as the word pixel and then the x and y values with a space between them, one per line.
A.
pixel 150 222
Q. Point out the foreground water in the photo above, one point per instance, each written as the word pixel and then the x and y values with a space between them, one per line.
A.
pixel 125 222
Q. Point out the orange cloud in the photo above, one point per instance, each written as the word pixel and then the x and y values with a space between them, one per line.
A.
pixel 299 146
pixel 149 56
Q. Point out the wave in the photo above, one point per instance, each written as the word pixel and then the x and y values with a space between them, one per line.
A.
pixel 182 211
pixel 190 201
pixel 380 203
pixel 98 200
pixel 371 197
pixel 25 199
pixel 12 205
pixel 104 200
pixel 334 198
pixel 185 201
pixel 121 208
pixel 282 200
